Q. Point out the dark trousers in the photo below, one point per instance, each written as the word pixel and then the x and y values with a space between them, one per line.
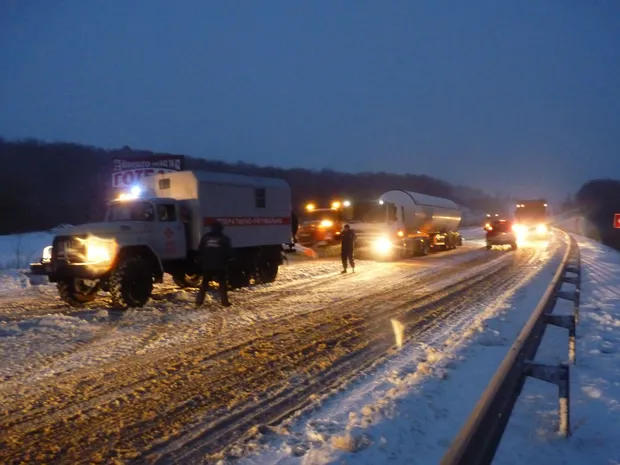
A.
pixel 347 256
pixel 222 280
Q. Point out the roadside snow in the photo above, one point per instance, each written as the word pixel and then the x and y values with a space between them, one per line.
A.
pixel 595 380
pixel 409 410
pixel 18 251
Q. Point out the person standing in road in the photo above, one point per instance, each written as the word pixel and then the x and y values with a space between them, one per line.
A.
pixel 215 251
pixel 346 248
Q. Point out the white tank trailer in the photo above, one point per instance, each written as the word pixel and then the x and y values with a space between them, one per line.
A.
pixel 406 224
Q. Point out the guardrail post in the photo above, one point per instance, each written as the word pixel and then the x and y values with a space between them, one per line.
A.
pixel 560 376
pixel 564 403
pixel 568 322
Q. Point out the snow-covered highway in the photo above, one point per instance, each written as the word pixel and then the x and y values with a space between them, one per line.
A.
pixel 177 384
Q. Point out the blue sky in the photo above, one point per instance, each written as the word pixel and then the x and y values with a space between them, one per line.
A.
pixel 518 96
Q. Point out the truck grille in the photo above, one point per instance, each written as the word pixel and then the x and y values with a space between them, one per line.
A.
pixel 68 249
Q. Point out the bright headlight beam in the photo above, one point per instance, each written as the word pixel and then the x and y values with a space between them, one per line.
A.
pixel 382 245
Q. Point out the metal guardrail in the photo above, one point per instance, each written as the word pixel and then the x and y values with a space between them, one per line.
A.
pixel 479 438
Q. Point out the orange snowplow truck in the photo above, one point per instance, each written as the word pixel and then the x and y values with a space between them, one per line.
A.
pixel 322 226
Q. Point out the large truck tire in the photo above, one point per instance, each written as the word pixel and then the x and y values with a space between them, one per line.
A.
pixel 238 278
pixel 187 280
pixel 75 292
pixel 513 246
pixel 268 271
pixel 131 283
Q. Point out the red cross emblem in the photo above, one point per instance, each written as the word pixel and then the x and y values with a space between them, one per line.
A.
pixel 617 221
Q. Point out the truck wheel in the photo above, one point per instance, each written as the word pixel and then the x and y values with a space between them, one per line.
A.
pixel 513 246
pixel 131 283
pixel 426 249
pixel 76 292
pixel 187 280
pixel 238 279
pixel 489 246
pixel 267 271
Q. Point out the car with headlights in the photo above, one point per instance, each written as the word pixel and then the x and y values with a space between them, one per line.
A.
pixel 500 233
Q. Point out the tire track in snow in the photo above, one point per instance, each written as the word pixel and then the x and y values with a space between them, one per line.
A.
pixel 106 328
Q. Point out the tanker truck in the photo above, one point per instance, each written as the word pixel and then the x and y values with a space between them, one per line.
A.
pixel 156 228
pixel 402 224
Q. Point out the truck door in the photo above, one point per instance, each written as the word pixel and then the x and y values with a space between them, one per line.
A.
pixel 170 234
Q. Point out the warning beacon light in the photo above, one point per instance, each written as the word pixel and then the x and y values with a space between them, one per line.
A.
pixel 133 193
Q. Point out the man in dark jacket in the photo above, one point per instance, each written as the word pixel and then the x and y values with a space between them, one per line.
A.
pixel 215 251
pixel 346 248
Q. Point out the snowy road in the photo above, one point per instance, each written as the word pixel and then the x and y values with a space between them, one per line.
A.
pixel 169 383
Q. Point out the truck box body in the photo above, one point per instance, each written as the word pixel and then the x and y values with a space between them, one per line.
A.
pixel 424 213
pixel 255 211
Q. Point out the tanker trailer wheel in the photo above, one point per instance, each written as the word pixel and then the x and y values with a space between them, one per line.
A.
pixel 185 280
pixel 131 283
pixel 76 292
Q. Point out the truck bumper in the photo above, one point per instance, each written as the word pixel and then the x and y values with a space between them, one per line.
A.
pixel 59 271
pixel 38 269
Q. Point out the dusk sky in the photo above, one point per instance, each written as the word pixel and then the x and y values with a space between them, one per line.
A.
pixel 518 96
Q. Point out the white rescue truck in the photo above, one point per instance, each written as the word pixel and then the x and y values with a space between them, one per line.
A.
pixel 403 224
pixel 157 228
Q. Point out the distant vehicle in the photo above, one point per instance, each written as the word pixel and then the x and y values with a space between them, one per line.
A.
pixel 402 224
pixel 531 218
pixel 322 226
pixel 156 228
pixel 490 217
pixel 500 232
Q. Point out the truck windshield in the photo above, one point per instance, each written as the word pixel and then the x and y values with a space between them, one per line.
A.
pixel 320 215
pixel 130 211
pixel 531 212
pixel 369 212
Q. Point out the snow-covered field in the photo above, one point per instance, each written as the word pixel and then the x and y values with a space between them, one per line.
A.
pixel 95 367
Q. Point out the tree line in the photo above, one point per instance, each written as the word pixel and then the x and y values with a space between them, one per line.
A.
pixel 597 201
pixel 45 184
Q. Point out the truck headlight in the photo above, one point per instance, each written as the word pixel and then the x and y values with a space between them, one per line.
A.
pixel 541 229
pixel 382 245
pixel 99 250
pixel 47 254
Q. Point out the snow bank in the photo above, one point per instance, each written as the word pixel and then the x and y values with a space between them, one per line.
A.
pixel 595 380
pixel 19 250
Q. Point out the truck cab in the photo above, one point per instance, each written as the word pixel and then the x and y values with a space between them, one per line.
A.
pixel 322 226
pixel 531 218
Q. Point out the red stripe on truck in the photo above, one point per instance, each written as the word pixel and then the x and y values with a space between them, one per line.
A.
pixel 250 221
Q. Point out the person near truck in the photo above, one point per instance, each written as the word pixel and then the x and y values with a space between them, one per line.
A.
pixel 346 248
pixel 215 251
